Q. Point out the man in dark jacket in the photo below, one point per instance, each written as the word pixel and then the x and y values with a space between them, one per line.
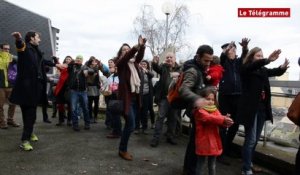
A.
pixel 193 82
pixel 78 92
pixel 30 86
pixel 230 91
pixel 167 71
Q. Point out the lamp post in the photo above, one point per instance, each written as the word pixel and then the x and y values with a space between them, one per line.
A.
pixel 167 9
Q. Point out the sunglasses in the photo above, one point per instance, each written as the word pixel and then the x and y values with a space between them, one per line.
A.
pixel 6 48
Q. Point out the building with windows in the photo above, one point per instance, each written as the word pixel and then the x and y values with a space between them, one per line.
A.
pixel 17 19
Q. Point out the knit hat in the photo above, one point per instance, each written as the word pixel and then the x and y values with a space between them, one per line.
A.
pixel 79 57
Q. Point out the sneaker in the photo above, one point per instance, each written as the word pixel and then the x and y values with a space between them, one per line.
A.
pixel 34 138
pixel 154 143
pixel 249 172
pixel 13 124
pixel 26 146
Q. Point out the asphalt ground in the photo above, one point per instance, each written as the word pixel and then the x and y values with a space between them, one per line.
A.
pixel 62 151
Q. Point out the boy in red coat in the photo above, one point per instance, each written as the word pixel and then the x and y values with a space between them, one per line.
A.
pixel 208 141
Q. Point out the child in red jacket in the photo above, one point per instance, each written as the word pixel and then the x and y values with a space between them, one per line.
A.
pixel 208 141
pixel 214 72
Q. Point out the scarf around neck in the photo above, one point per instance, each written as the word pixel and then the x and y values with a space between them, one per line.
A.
pixel 210 108
pixel 135 81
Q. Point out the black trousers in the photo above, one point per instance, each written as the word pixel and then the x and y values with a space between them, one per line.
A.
pixel 95 100
pixel 228 105
pixel 29 117
pixel 190 159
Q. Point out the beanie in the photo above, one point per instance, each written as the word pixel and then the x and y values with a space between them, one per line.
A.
pixel 79 57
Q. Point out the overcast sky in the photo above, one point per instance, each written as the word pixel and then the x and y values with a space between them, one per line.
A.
pixel 99 27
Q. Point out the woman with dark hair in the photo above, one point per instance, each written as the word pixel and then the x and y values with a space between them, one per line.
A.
pixel 93 85
pixel 255 103
pixel 147 97
pixel 60 92
pixel 129 88
pixel 112 120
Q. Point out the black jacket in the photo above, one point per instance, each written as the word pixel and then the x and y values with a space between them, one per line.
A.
pixel 30 87
pixel 161 89
pixel 230 83
pixel 77 79
pixel 255 79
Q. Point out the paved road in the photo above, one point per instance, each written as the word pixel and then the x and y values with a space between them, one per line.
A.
pixel 61 151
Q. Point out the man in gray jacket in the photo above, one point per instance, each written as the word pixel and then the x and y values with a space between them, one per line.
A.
pixel 193 83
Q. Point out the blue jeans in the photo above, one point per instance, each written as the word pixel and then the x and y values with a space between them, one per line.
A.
pixel 252 135
pixel 129 126
pixel 79 97
pixel 211 164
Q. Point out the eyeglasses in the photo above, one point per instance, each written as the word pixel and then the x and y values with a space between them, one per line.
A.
pixel 6 48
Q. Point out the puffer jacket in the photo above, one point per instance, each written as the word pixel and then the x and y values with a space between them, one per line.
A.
pixel 208 141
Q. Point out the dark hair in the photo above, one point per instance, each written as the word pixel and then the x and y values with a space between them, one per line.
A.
pixel 209 90
pixel 147 62
pixel 29 35
pixel 89 62
pixel 204 49
pixel 120 50
pixel 68 56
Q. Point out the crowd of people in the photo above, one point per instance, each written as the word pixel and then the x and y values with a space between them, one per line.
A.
pixel 221 93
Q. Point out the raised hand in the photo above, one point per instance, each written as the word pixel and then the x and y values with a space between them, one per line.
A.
pixel 155 59
pixel 244 42
pixel 274 55
pixel 17 35
pixel 231 45
pixel 285 65
pixel 142 41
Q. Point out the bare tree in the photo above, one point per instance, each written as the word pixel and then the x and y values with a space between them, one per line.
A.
pixel 154 29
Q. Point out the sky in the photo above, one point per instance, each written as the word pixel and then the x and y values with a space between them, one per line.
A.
pixel 99 27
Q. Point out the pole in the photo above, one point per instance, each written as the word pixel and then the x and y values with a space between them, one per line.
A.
pixel 167 23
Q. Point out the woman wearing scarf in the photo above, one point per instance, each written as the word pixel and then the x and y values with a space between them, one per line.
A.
pixel 129 88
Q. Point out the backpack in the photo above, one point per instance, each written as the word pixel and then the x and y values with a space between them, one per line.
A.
pixel 173 96
pixel 12 73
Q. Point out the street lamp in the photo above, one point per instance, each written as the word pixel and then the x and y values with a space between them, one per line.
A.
pixel 167 9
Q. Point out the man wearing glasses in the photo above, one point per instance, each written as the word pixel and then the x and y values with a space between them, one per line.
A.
pixel 6 88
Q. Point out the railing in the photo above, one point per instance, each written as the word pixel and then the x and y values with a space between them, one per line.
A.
pixel 283 93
